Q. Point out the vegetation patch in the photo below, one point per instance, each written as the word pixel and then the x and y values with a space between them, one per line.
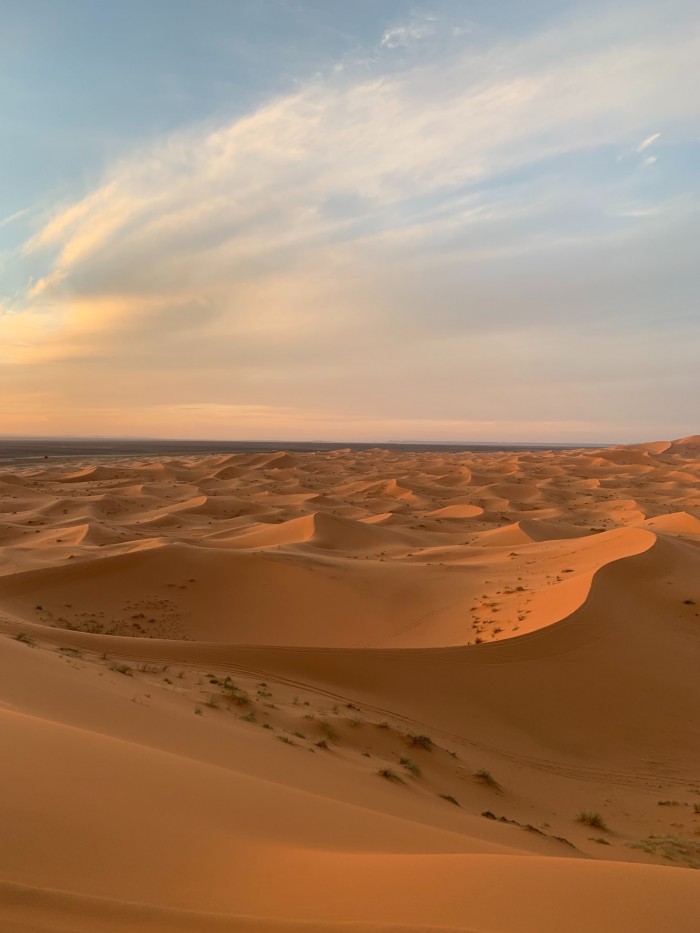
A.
pixel 593 819
pixel 420 741
pixel 390 775
pixel 450 799
pixel 485 777
pixel 674 848
pixel 410 766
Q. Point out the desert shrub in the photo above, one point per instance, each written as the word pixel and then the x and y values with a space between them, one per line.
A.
pixel 485 777
pixel 410 766
pixel 420 741
pixel 591 818
pixel 390 775
pixel 328 731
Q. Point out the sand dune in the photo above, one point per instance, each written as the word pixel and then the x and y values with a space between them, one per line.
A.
pixel 357 691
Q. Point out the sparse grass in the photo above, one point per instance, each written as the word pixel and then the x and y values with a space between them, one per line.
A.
pixel 211 703
pixel 672 848
pixel 266 725
pixel 383 724
pixel 410 766
pixel 420 741
pixel 322 743
pixel 73 652
pixel 24 638
pixel 328 731
pixel 669 803
pixel 390 775
pixel 485 777
pixel 355 722
pixel 450 799
pixel 287 740
pixel 122 669
pixel 198 711
pixel 234 694
pixel 599 839
pixel 299 735
pixel 249 716
pixel 592 818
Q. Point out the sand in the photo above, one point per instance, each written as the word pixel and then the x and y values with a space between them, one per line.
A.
pixel 352 690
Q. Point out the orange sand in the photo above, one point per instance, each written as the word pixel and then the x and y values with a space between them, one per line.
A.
pixel 208 662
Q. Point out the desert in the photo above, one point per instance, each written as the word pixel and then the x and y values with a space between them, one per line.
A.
pixel 352 690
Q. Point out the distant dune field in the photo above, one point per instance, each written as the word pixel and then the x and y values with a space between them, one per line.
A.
pixel 352 690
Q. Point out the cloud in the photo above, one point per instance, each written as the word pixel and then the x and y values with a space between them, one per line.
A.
pixel 407 34
pixel 17 215
pixel 330 240
pixel 650 140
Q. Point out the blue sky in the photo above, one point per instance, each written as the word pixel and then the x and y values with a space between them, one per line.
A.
pixel 385 220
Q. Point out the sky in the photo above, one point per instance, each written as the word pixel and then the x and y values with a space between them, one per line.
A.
pixel 378 220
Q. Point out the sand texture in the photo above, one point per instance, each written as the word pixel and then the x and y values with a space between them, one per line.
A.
pixel 352 691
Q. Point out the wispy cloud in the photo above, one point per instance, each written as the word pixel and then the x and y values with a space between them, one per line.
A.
pixel 11 218
pixel 649 141
pixel 364 215
pixel 418 27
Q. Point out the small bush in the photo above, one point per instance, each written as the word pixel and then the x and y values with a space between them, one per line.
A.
pixel 591 818
pixel 322 743
pixel 485 777
pixel 420 741
pixel 24 638
pixel 450 799
pixel 410 766
pixel 249 716
pixel 390 775
pixel 328 731
pixel 198 711
pixel 122 669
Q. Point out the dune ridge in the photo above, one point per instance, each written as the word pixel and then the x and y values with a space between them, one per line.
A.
pixel 240 689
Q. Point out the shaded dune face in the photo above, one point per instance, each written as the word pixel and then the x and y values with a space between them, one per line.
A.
pixel 267 682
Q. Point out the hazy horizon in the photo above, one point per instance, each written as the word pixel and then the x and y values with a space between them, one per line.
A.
pixel 295 219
